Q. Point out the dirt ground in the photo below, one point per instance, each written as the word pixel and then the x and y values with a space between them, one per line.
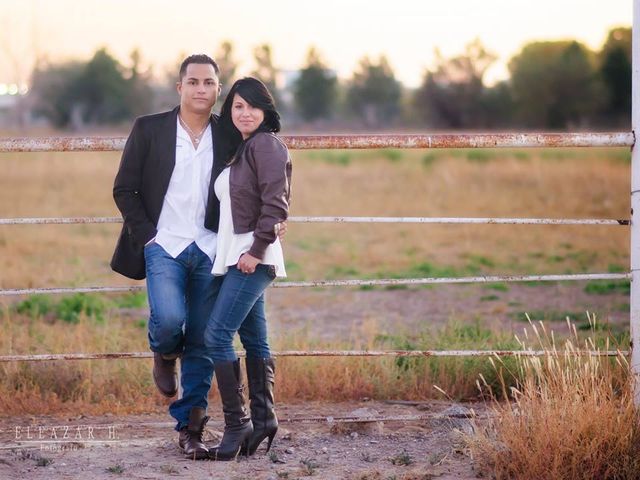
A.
pixel 421 441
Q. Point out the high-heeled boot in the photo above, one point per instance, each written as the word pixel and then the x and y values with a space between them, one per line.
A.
pixel 260 377
pixel 237 424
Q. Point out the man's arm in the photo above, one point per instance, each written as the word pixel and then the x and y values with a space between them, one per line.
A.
pixel 128 182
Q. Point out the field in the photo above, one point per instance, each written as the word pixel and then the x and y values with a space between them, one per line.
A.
pixel 576 183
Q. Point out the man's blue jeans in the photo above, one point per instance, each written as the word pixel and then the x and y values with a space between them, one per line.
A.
pixel 182 292
pixel 240 308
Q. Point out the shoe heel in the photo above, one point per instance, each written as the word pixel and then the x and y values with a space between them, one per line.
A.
pixel 271 437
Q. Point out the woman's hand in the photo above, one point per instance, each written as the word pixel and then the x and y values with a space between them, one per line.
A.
pixel 247 263
pixel 280 229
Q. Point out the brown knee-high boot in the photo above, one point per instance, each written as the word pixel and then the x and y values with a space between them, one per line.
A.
pixel 237 424
pixel 261 379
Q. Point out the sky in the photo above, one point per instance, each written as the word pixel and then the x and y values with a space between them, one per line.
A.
pixel 406 31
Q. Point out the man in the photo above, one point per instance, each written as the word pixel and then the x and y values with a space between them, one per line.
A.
pixel 164 190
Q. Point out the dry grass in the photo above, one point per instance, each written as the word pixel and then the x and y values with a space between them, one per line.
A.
pixel 120 386
pixel 571 418
pixel 534 183
pixel 531 183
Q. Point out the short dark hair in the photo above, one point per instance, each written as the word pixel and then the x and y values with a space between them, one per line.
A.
pixel 199 58
pixel 256 94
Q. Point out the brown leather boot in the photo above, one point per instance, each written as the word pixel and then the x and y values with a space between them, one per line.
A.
pixel 260 376
pixel 190 440
pixel 237 423
pixel 165 373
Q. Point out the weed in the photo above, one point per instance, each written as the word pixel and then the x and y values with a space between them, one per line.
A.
pixel 500 287
pixel 479 156
pixel 35 306
pixel 274 458
pixel 403 458
pixel 489 298
pixel 309 466
pixel 606 287
pixel 575 412
pixel 117 468
pixel 393 155
pixel 366 457
pixel 336 158
pixel 71 308
pixel 132 300
pixel 428 159
pixel 44 461
pixel 169 469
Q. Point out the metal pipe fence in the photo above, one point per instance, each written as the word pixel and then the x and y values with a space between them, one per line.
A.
pixel 501 140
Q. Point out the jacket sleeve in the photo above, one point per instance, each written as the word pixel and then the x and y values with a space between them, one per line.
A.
pixel 128 183
pixel 270 159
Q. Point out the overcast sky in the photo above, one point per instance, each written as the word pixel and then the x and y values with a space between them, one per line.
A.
pixel 406 31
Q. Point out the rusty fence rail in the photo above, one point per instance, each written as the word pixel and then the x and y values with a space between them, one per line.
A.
pixel 344 283
pixel 306 142
pixel 331 353
pixel 499 140
pixel 427 220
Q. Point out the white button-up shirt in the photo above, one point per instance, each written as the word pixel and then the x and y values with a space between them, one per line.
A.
pixel 181 219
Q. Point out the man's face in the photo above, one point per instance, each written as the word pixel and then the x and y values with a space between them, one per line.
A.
pixel 199 88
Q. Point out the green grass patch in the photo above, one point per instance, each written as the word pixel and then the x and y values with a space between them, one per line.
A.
pixel 499 286
pixel 392 154
pixel 35 306
pixel 607 287
pixel 479 156
pixel 428 159
pixel 489 298
pixel 131 300
pixel 70 309
pixel 615 268
pixel 336 158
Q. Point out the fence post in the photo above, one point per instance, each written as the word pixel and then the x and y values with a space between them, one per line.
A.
pixel 634 301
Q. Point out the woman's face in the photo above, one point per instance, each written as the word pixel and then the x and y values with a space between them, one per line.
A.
pixel 245 117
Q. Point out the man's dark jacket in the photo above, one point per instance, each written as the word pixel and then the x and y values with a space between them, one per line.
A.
pixel 141 183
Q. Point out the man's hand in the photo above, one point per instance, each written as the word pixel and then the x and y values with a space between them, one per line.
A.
pixel 247 263
pixel 281 229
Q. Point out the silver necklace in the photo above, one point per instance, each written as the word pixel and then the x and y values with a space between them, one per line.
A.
pixel 196 138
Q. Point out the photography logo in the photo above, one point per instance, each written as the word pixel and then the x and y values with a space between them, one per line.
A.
pixel 59 438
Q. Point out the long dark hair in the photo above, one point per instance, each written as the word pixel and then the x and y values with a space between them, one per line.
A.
pixel 256 94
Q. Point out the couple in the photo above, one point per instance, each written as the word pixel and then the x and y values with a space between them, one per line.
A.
pixel 204 201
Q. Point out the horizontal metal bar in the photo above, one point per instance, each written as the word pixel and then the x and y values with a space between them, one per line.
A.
pixel 426 220
pixel 304 142
pixel 348 283
pixel 327 353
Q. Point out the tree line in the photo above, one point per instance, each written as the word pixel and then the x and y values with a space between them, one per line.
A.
pixel 551 85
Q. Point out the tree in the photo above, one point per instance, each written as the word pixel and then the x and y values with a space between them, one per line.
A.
pixel 315 89
pixel 266 71
pixel 554 84
pixel 615 70
pixel 100 91
pixel 374 93
pixel 52 91
pixel 139 91
pixel 453 95
pixel 103 90
pixel 224 59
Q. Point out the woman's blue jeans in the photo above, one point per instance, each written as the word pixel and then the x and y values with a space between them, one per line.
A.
pixel 182 292
pixel 240 308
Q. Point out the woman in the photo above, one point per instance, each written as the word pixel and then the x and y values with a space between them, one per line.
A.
pixel 253 191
